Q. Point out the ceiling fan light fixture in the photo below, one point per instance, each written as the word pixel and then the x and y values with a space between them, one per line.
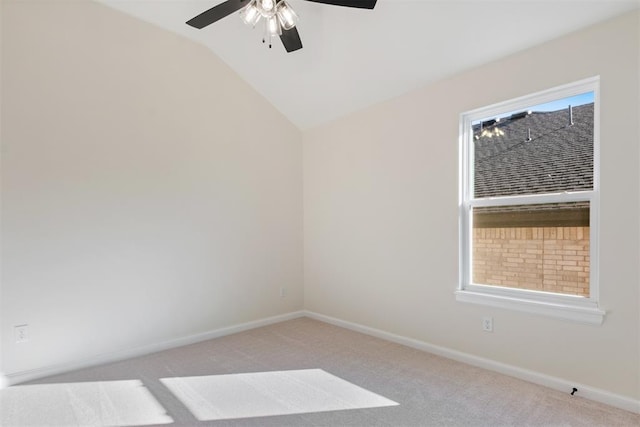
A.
pixel 267 7
pixel 273 26
pixel 250 14
pixel 286 15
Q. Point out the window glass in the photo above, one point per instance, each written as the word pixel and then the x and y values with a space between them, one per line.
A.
pixel 547 148
pixel 543 247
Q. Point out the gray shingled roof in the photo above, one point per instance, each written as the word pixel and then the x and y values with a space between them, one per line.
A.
pixel 559 156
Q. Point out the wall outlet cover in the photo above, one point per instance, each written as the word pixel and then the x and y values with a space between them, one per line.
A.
pixel 22 333
pixel 487 324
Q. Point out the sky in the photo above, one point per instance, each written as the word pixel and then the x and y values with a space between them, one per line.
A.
pixel 560 104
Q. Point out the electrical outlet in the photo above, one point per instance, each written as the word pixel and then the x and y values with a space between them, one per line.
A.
pixel 22 333
pixel 487 324
pixel 283 292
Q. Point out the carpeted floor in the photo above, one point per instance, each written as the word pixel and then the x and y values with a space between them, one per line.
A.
pixel 305 358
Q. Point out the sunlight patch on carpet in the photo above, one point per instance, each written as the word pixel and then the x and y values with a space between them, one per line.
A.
pixel 217 397
pixel 100 403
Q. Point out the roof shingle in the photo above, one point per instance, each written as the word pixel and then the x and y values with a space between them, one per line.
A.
pixel 558 156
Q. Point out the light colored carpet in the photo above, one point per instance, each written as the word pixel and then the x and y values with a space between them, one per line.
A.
pixel 429 390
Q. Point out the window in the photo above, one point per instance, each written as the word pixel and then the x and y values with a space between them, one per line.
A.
pixel 529 204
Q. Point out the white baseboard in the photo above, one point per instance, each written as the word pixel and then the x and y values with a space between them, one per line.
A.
pixel 4 381
pixel 560 384
pixel 33 374
pixel 555 383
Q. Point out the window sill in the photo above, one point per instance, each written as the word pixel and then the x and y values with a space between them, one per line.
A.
pixel 576 313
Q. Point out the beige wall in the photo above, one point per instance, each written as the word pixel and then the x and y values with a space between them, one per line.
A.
pixel 2 374
pixel 147 192
pixel 381 226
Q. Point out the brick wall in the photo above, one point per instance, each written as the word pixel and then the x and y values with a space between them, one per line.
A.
pixel 551 259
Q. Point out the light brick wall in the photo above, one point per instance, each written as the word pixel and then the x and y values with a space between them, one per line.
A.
pixel 551 259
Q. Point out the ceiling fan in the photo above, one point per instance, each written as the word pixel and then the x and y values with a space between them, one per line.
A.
pixel 280 19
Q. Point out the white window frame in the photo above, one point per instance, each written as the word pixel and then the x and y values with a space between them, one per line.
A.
pixel 568 307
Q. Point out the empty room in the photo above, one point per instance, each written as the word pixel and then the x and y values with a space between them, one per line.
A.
pixel 319 212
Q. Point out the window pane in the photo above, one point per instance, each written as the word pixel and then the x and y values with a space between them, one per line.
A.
pixel 543 247
pixel 546 148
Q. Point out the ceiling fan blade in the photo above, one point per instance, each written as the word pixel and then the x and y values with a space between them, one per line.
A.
pixel 216 13
pixel 291 39
pixel 362 4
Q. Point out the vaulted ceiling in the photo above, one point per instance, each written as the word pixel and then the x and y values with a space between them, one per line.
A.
pixel 353 58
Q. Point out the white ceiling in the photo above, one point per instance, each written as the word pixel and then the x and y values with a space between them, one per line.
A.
pixel 353 58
